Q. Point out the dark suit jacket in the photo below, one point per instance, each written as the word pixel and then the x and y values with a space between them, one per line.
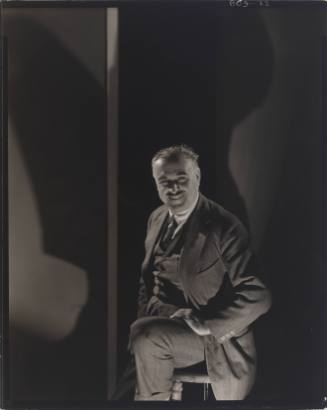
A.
pixel 221 283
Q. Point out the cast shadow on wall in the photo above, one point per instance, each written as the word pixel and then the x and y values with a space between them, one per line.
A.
pixel 57 111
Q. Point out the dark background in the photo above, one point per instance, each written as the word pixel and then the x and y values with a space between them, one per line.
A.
pixel 198 73
pixel 244 88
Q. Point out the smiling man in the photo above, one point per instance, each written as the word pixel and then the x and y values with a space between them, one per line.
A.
pixel 177 178
pixel 199 288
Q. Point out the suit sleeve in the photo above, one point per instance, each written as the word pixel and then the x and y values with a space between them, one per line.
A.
pixel 143 297
pixel 251 297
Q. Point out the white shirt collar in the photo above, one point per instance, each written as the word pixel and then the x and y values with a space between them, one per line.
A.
pixel 181 217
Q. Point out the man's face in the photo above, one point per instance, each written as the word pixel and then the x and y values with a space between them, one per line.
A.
pixel 177 182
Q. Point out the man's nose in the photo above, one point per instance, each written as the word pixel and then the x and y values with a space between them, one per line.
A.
pixel 173 187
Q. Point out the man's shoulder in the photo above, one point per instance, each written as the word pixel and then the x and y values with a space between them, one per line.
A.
pixel 220 220
pixel 158 212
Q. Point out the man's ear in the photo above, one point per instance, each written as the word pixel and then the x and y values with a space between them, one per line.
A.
pixel 198 174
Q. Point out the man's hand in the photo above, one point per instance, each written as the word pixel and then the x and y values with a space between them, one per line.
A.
pixel 192 320
pixel 182 313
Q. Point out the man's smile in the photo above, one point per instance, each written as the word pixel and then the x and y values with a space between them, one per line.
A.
pixel 175 196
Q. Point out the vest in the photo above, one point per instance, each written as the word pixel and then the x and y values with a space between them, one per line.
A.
pixel 165 270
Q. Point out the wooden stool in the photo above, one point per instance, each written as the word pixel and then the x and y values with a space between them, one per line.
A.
pixel 184 376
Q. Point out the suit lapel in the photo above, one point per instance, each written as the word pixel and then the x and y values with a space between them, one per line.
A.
pixel 152 236
pixel 196 235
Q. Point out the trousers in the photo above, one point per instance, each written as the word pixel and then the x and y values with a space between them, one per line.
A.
pixel 160 345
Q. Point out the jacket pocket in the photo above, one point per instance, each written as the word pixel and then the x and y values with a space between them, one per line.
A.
pixel 206 284
pixel 209 257
pixel 206 265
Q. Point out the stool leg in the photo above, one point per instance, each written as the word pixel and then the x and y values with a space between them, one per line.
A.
pixel 136 393
pixel 177 391
pixel 205 391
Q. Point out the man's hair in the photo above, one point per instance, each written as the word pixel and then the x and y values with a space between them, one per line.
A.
pixel 175 152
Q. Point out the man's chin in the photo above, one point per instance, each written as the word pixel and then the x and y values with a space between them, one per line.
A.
pixel 176 204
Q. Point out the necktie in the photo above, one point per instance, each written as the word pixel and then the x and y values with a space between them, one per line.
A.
pixel 168 235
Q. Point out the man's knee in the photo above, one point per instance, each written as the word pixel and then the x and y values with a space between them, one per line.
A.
pixel 148 338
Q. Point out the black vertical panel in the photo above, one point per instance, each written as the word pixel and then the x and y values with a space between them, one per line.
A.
pixel 4 310
pixel 187 75
pixel 323 311
pixel 167 96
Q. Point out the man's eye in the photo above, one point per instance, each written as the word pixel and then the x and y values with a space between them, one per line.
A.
pixel 182 180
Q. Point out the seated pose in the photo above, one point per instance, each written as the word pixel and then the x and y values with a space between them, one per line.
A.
pixel 199 290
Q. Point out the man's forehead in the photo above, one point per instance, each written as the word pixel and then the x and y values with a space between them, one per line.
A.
pixel 176 165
